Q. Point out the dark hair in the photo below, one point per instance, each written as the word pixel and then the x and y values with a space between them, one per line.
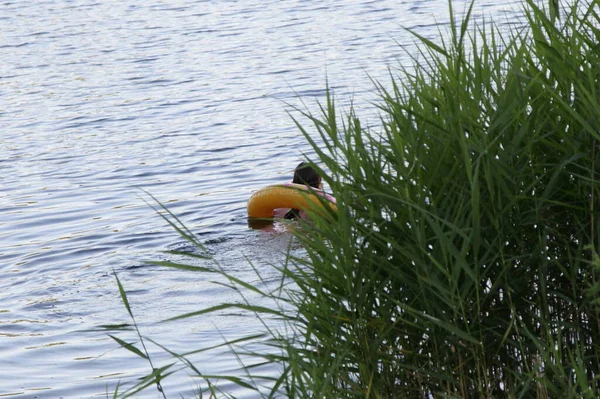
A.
pixel 305 174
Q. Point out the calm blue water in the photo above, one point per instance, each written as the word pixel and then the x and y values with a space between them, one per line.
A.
pixel 188 100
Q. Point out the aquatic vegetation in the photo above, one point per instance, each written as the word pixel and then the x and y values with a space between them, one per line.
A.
pixel 462 259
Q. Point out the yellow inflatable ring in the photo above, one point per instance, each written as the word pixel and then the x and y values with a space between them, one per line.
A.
pixel 262 203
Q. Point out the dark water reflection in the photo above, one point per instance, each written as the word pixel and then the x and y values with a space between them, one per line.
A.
pixel 187 100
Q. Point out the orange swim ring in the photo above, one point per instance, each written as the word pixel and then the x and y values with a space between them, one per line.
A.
pixel 264 201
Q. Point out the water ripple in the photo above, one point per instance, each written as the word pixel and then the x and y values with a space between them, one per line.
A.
pixel 188 101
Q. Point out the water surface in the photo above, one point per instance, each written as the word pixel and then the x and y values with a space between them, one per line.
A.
pixel 189 101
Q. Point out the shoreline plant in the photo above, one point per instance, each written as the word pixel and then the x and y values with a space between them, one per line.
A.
pixel 462 261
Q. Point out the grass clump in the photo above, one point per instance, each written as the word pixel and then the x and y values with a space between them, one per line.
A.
pixel 462 261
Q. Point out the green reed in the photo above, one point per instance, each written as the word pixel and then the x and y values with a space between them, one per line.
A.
pixel 462 260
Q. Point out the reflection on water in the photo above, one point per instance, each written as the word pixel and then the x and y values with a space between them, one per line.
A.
pixel 187 100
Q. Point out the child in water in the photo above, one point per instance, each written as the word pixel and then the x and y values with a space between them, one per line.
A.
pixel 304 174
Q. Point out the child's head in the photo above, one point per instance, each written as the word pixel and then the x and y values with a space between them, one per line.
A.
pixel 306 175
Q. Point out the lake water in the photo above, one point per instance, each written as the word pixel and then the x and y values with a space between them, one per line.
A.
pixel 189 101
